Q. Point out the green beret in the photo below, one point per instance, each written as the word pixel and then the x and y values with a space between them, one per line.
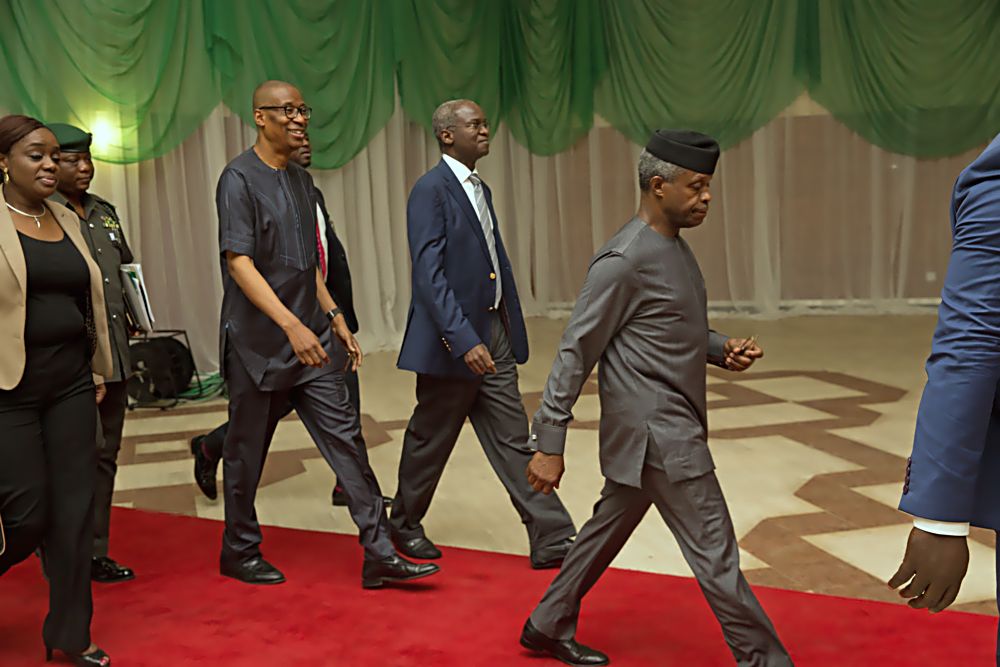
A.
pixel 71 138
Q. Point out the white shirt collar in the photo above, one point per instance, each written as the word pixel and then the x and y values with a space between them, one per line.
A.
pixel 460 170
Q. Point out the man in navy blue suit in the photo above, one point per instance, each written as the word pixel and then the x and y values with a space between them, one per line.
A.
pixel 464 337
pixel 953 475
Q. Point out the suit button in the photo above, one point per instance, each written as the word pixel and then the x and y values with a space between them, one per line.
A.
pixel 490 309
pixel 107 281
pixel 493 276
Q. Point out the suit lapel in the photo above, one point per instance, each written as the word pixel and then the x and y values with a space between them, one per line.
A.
pixel 11 247
pixel 456 190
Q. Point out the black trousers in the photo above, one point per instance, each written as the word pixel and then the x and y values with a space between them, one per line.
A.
pixel 111 420
pixel 325 411
pixel 47 470
pixel 211 445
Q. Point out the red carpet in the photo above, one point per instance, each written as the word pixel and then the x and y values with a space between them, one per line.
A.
pixel 179 611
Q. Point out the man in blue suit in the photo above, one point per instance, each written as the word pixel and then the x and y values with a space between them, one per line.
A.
pixel 464 337
pixel 953 475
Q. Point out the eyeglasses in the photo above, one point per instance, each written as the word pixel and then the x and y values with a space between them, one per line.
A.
pixel 474 125
pixel 290 111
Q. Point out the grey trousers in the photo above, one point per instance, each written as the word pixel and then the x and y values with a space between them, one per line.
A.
pixel 323 406
pixel 695 512
pixel 493 405
pixel 111 420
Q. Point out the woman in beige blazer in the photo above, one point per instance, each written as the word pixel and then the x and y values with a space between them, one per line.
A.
pixel 53 347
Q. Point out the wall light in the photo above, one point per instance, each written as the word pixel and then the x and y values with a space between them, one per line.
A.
pixel 107 134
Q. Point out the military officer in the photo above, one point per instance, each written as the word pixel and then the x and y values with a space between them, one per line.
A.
pixel 103 233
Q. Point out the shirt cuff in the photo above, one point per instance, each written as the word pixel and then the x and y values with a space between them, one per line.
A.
pixel 237 246
pixel 717 348
pixel 951 528
pixel 547 438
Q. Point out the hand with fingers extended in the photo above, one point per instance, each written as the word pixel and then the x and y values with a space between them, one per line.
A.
pixel 544 472
pixel 479 360
pixel 934 566
pixel 306 346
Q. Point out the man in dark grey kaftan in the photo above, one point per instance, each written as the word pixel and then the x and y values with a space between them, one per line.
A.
pixel 642 313
pixel 278 348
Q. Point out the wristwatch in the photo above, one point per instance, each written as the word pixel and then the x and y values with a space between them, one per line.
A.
pixel 333 313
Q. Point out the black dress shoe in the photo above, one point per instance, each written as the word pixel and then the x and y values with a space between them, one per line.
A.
pixel 551 557
pixel 340 498
pixel 205 470
pixel 106 571
pixel 375 573
pixel 418 547
pixel 254 570
pixel 566 650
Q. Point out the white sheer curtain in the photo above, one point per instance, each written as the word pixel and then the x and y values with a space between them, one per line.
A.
pixel 804 213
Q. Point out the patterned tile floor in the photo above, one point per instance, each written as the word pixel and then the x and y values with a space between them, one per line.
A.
pixel 810 447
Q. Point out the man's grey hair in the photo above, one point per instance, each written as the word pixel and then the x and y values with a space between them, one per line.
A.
pixel 445 115
pixel 650 165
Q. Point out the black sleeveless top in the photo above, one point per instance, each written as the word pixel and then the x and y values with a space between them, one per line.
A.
pixel 58 281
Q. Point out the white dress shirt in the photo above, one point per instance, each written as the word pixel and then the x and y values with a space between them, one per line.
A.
pixel 321 227
pixel 952 528
pixel 462 173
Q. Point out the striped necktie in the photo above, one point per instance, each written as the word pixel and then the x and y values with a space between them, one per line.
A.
pixel 486 221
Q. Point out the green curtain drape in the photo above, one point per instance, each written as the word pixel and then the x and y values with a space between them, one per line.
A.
pixel 552 58
pixel 338 52
pixel 920 77
pixel 724 67
pixel 134 72
pixel 447 49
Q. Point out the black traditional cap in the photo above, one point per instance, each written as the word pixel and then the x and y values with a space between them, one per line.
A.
pixel 71 138
pixel 685 148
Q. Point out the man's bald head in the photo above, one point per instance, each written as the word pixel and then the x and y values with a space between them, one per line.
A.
pixel 281 116
pixel 462 130
pixel 446 115
pixel 273 93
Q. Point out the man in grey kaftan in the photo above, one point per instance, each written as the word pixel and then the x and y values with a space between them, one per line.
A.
pixel 643 313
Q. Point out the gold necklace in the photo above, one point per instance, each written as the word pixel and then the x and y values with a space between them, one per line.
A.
pixel 36 218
